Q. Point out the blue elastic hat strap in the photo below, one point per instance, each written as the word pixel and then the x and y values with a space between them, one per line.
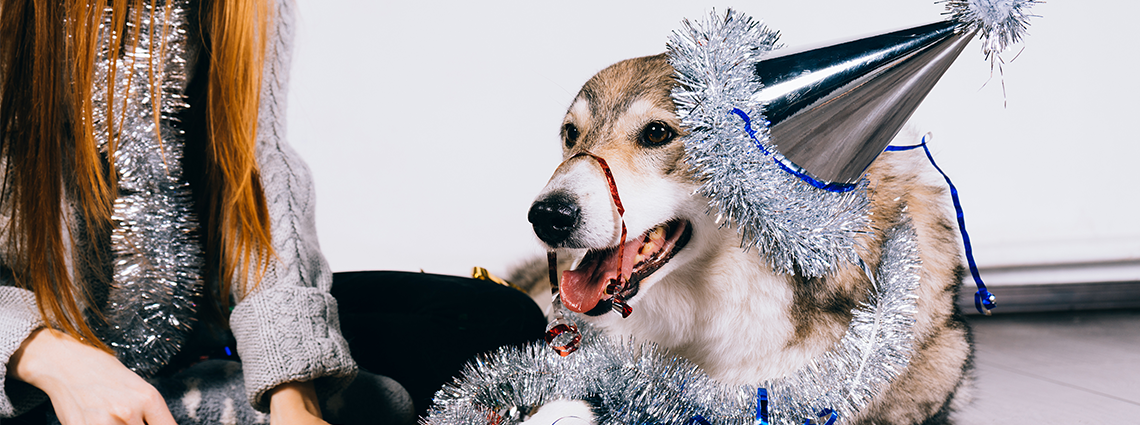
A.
pixel 824 417
pixel 786 165
pixel 984 301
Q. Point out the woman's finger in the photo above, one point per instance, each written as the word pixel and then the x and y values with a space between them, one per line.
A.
pixel 156 412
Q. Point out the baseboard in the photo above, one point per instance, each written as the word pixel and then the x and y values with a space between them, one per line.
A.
pixel 1082 285
pixel 1057 297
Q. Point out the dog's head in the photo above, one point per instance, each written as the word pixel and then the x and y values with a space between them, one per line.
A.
pixel 625 115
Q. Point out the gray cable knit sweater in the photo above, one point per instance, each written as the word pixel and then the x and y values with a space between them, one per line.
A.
pixel 288 329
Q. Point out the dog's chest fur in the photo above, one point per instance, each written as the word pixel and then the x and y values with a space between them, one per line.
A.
pixel 727 314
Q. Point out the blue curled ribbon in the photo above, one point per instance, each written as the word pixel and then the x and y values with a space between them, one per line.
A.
pixel 761 411
pixel 786 165
pixel 984 301
pixel 761 407
pixel 824 417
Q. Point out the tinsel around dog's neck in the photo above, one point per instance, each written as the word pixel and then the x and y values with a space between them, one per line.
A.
pixel 636 382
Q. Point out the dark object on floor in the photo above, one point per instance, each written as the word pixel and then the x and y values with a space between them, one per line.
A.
pixel 419 329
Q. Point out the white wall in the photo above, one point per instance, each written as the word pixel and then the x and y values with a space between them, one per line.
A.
pixel 430 126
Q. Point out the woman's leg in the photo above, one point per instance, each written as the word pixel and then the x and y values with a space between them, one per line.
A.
pixel 419 329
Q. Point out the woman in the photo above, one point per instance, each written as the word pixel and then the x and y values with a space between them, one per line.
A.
pixel 146 189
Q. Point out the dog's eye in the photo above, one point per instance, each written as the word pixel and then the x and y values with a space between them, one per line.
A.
pixel 570 134
pixel 656 134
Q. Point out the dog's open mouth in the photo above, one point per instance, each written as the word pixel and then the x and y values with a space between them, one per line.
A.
pixel 583 289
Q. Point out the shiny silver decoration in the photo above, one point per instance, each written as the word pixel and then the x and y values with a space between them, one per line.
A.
pixel 157 259
pixel 832 110
pixel 637 382
pixel 876 348
pixel 802 229
pixel 1000 22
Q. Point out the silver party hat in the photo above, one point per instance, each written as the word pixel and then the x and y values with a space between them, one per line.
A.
pixel 780 139
pixel 832 110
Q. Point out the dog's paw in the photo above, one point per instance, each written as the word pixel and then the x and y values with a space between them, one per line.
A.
pixel 562 412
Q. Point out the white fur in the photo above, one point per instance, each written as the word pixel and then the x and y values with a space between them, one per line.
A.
pixel 562 412
pixel 192 399
pixel 596 210
pixel 713 303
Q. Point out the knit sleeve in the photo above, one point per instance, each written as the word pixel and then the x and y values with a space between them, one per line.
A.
pixel 19 316
pixel 288 329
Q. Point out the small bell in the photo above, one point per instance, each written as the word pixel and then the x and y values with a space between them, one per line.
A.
pixel 620 306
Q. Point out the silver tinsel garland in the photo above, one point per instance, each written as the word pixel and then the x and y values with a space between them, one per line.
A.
pixel 637 382
pixel 157 258
pixel 800 228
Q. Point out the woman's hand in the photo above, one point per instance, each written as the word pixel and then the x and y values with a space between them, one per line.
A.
pixel 86 385
pixel 294 403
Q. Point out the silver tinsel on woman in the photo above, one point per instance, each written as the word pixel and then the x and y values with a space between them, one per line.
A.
pixel 801 228
pixel 157 259
pixel 637 382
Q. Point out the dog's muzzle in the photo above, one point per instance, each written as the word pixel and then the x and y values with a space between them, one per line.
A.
pixel 554 218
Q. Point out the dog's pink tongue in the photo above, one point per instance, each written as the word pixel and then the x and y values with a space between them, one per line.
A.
pixel 583 288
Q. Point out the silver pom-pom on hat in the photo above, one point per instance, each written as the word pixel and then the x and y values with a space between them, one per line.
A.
pixel 1000 22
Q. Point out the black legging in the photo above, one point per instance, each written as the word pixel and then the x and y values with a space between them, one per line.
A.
pixel 418 328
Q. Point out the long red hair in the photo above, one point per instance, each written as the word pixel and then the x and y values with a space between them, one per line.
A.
pixel 47 142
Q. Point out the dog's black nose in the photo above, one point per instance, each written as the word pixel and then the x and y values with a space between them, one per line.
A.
pixel 554 218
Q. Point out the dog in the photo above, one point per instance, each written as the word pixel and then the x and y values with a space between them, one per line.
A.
pixel 692 287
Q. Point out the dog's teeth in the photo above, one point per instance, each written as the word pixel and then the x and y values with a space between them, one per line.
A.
pixel 649 248
pixel 639 258
pixel 657 233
